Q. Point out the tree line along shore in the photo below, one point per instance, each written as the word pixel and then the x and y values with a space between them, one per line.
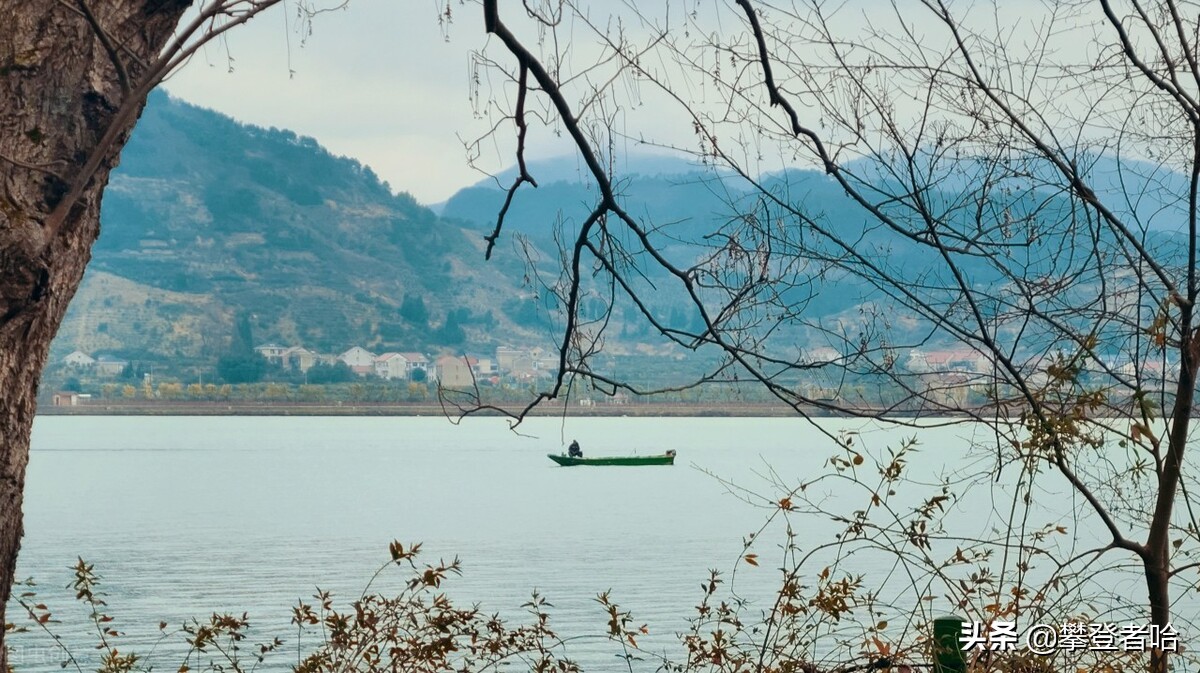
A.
pixel 340 408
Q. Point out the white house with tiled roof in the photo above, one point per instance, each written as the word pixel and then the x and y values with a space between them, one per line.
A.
pixel 391 366
pixel 299 358
pixel 413 362
pixel 272 351
pixel 79 359
pixel 956 361
pixel 360 360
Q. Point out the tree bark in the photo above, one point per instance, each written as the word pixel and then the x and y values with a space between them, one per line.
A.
pixel 65 73
pixel 1157 556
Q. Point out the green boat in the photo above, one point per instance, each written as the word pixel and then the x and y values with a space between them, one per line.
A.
pixel 667 458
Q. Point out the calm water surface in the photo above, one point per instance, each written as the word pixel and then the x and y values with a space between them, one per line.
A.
pixel 185 516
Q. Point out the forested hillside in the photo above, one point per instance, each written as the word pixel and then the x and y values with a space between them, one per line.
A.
pixel 207 219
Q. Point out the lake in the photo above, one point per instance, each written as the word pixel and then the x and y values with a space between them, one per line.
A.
pixel 183 516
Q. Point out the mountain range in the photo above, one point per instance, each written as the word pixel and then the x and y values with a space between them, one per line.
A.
pixel 208 221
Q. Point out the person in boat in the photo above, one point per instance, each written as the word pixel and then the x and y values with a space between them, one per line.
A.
pixel 574 451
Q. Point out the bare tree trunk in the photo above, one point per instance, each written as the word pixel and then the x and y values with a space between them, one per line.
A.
pixel 1157 555
pixel 1157 578
pixel 68 78
pixel 24 343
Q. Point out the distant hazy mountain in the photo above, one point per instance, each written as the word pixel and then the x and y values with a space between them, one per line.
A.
pixel 689 200
pixel 687 207
pixel 692 199
pixel 207 219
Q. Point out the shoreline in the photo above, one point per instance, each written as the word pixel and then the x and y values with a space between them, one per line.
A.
pixel 142 408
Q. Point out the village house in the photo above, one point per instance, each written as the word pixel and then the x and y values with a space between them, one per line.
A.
pixel 415 361
pixel 522 363
pixel 949 377
pixel 456 371
pixel 521 367
pixel 545 365
pixel 360 360
pixel 79 359
pixel 68 399
pixel 391 366
pixel 107 365
pixel 272 352
pixel 299 358
pixel 519 363
pixel 505 355
pixel 956 361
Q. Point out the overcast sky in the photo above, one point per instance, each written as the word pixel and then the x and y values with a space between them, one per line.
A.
pixel 379 81
pixel 375 81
